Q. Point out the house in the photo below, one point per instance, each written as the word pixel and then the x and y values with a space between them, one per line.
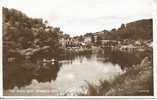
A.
pixel 87 39
pixel 62 42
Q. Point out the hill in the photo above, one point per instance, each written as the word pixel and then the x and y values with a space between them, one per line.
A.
pixel 141 29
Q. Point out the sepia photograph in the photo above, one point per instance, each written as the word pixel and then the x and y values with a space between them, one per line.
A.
pixel 77 48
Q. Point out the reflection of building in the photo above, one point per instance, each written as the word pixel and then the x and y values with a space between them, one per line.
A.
pixel 128 48
pixel 108 43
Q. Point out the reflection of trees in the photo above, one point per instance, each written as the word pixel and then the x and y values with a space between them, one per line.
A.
pixel 15 75
pixel 124 59
pixel 69 55
pixel 49 73
pixel 21 74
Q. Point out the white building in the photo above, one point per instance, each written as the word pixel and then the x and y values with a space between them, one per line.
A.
pixel 87 39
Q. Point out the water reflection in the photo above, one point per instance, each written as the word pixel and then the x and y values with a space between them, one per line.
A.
pixel 70 71
pixel 124 59
pixel 21 74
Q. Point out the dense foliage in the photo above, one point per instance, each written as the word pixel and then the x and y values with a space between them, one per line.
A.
pixel 28 38
pixel 141 29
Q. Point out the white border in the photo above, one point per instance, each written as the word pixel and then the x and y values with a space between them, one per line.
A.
pixel 92 97
pixel 80 97
pixel 155 46
pixel 1 73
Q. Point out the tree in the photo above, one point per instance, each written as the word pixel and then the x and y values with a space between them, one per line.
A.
pixel 20 34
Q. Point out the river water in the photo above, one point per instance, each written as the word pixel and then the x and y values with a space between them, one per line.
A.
pixel 67 75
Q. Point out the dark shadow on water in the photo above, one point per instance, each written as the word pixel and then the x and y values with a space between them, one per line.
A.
pixel 48 74
pixel 22 74
pixel 124 59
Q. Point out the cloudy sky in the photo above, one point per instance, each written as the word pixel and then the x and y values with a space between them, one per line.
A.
pixel 77 17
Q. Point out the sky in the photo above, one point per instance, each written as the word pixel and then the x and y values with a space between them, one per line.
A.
pixel 77 17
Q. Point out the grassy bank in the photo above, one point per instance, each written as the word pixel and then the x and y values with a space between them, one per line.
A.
pixel 136 81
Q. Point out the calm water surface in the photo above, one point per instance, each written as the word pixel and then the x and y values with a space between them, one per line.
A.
pixel 66 75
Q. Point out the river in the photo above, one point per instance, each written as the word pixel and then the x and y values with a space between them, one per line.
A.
pixel 68 75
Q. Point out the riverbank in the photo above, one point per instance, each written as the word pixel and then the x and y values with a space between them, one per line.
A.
pixel 136 81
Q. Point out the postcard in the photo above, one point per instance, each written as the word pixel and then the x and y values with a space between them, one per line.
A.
pixel 78 48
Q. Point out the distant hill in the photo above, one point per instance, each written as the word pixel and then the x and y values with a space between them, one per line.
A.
pixel 142 29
